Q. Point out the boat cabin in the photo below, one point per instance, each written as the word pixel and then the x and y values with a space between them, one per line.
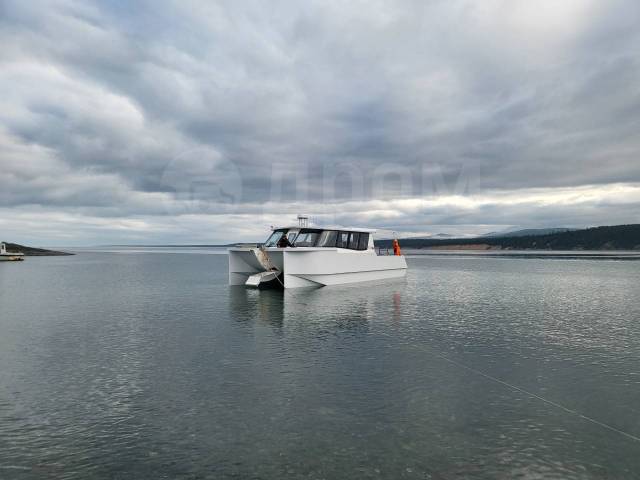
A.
pixel 348 238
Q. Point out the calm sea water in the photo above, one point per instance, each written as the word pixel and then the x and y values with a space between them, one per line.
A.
pixel 144 365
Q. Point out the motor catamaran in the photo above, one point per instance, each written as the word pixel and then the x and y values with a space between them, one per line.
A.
pixel 8 256
pixel 305 256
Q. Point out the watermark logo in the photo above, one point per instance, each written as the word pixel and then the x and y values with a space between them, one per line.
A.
pixel 201 181
pixel 204 181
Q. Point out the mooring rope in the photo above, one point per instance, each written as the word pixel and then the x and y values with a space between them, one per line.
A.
pixel 538 397
pixel 504 383
pixel 273 267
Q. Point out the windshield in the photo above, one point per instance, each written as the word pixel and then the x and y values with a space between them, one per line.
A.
pixel 272 241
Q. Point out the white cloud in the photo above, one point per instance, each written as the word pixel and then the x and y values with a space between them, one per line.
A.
pixel 184 121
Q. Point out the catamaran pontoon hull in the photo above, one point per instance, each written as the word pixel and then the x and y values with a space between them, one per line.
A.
pixel 310 267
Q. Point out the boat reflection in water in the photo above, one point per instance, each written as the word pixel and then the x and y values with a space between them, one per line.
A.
pixel 345 306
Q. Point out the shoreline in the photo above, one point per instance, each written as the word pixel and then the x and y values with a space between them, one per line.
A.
pixel 35 252
pixel 551 254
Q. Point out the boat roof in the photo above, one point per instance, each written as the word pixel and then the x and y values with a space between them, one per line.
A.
pixel 326 227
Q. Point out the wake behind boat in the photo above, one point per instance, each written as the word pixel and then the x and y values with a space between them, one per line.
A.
pixel 304 256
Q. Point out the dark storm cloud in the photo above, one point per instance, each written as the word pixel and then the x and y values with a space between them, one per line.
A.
pixel 117 110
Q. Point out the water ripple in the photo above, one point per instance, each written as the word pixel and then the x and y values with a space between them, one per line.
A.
pixel 150 366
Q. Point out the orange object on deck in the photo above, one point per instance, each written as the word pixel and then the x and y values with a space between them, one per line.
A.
pixel 396 247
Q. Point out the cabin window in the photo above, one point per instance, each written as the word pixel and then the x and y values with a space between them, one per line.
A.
pixel 273 239
pixel 307 238
pixel 363 243
pixel 354 238
pixel 292 234
pixel 327 238
pixel 343 240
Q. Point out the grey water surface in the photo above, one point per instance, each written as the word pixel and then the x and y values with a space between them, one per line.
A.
pixel 139 365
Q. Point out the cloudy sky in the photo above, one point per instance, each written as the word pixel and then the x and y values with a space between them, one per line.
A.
pixel 199 122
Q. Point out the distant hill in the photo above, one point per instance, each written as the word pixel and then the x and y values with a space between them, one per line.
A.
pixel 434 236
pixel 528 232
pixel 620 237
pixel 442 235
pixel 33 252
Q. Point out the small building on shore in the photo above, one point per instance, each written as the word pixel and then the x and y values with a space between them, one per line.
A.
pixel 9 256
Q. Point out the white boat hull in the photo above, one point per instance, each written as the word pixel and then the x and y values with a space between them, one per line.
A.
pixel 11 257
pixel 312 267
